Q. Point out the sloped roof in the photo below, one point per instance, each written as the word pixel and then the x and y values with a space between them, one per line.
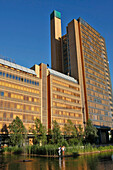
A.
pixel 61 75
pixel 16 66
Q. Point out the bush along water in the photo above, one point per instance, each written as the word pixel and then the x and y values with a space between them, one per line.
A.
pixel 14 149
pixel 52 150
pixel 43 150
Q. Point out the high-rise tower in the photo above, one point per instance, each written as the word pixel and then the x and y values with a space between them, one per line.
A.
pixel 84 57
pixel 56 58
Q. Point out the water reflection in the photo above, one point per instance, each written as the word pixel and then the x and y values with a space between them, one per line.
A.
pixel 102 161
pixel 62 163
pixel 112 157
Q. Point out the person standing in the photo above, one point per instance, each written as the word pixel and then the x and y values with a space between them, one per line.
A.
pixel 59 151
pixel 63 150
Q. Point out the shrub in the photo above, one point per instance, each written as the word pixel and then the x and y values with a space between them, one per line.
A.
pixel 18 150
pixel 44 150
pixel 63 143
pixel 73 141
pixel 88 148
pixel 11 149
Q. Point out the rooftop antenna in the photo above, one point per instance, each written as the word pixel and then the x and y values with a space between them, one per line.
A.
pixel 7 59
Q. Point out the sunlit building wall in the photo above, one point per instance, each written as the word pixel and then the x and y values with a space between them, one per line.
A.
pixel 83 56
pixel 39 92
pixel 65 100
pixel 96 75
pixel 20 94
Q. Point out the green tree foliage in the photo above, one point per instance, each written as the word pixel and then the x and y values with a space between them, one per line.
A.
pixel 4 129
pixel 17 132
pixel 72 132
pixel 56 133
pixel 80 133
pixel 39 132
pixel 90 132
pixel 70 129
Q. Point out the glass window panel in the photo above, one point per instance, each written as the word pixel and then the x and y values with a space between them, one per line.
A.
pixel 2 93
pixel 7 75
pixel 4 74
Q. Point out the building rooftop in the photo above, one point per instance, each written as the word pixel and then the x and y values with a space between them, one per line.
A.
pixel 16 66
pixel 55 14
pixel 61 75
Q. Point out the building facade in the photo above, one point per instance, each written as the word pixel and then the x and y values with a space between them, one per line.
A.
pixel 20 94
pixel 39 92
pixel 65 100
pixel 83 56
pixel 77 87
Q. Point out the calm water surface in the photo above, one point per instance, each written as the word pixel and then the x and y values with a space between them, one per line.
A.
pixel 102 161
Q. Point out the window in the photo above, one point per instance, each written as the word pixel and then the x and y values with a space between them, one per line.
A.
pixel 2 93
pixel 18 78
pixel 10 76
pixel 4 74
pixel 32 108
pixel 7 75
pixel 30 99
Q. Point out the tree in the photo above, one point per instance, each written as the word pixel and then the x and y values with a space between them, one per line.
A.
pixel 56 133
pixel 80 133
pixel 17 132
pixel 90 132
pixel 39 132
pixel 70 129
pixel 4 129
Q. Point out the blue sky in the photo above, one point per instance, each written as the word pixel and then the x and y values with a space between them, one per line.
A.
pixel 25 26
